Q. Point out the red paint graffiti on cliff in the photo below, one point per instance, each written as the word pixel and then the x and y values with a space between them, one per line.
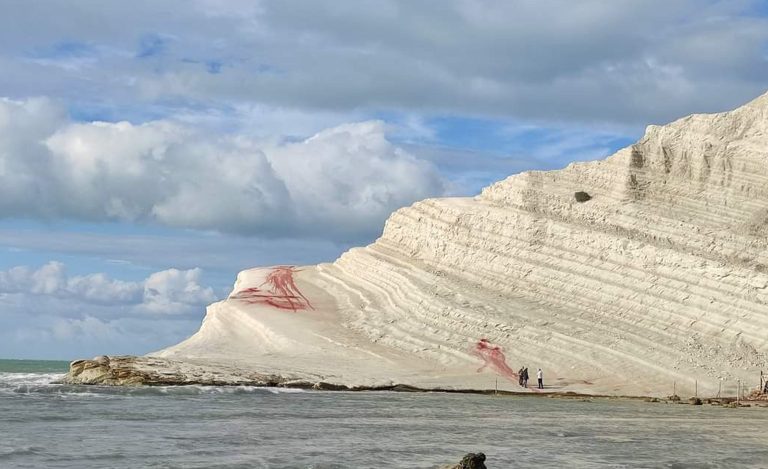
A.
pixel 493 356
pixel 278 290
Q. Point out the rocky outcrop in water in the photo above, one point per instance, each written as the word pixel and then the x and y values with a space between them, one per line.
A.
pixel 470 461
pixel 151 371
pixel 128 370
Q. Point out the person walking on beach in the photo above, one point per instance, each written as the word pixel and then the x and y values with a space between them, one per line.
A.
pixel 540 378
pixel 524 374
pixel 520 376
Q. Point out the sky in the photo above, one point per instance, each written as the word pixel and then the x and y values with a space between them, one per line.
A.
pixel 150 150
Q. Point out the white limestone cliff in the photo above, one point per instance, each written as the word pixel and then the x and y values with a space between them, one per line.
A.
pixel 660 278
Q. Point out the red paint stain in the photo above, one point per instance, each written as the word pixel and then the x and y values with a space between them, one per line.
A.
pixel 493 356
pixel 278 290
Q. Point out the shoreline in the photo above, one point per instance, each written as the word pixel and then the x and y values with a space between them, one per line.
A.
pixel 726 402
pixel 131 371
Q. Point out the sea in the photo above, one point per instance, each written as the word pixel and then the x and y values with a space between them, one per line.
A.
pixel 49 425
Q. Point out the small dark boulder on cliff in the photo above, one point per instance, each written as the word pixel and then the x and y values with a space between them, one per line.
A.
pixel 581 196
pixel 471 461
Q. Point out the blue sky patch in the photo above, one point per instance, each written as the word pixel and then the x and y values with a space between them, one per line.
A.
pixel 152 45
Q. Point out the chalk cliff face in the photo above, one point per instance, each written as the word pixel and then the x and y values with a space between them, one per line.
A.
pixel 661 277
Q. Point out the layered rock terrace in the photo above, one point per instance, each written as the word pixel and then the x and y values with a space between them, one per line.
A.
pixel 660 277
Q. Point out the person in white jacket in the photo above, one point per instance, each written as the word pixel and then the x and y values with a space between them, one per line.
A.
pixel 540 377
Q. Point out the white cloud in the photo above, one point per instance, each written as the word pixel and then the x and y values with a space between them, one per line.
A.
pixel 169 291
pixel 67 338
pixel 551 59
pixel 47 280
pixel 98 288
pixel 340 184
pixel 173 290
pixel 351 177
pixel 88 328
pixel 46 312
pixel 214 252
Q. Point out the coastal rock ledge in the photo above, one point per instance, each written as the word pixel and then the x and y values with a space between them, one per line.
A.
pixel 152 371
pixel 639 274
pixel 129 370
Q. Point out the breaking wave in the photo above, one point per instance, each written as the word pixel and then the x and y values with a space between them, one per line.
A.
pixel 48 383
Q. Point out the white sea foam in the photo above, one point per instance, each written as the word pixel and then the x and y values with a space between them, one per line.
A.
pixel 17 379
pixel 47 383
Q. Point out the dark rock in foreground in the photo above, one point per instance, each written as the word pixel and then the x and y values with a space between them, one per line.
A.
pixel 471 461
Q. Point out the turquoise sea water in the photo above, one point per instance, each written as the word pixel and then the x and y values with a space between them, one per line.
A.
pixel 33 366
pixel 58 426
